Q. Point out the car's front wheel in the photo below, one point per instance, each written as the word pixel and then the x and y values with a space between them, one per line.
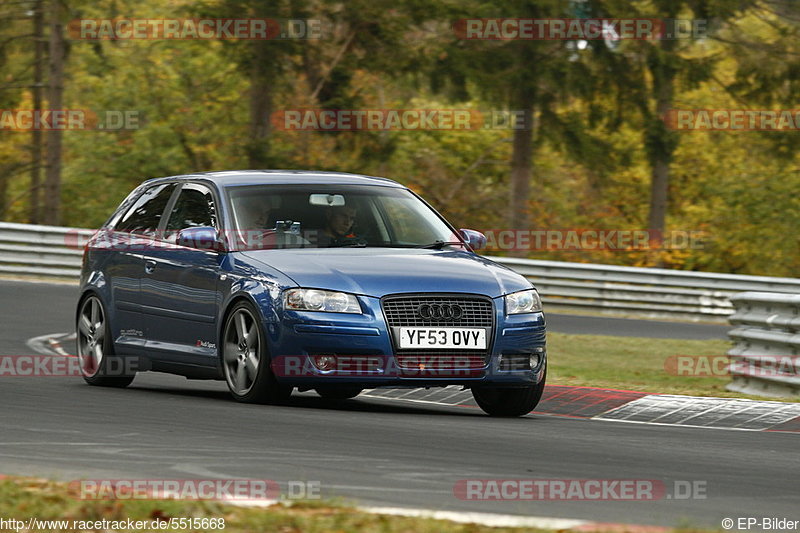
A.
pixel 245 359
pixel 98 364
pixel 497 401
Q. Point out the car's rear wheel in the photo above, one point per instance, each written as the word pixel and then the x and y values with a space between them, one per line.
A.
pixel 95 346
pixel 340 392
pixel 508 402
pixel 245 359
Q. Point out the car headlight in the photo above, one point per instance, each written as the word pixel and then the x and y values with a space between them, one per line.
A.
pixel 523 302
pixel 318 300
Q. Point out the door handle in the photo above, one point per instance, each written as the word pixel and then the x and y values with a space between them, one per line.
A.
pixel 149 266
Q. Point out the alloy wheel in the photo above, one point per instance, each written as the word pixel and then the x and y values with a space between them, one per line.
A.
pixel 91 336
pixel 241 351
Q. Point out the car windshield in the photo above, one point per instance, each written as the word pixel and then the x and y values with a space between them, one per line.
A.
pixel 332 216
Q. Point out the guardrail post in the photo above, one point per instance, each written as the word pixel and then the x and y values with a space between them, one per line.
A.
pixel 766 357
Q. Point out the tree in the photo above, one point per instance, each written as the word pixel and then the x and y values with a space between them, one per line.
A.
pixel 266 63
pixel 11 94
pixel 35 214
pixel 534 78
pixel 57 55
pixel 647 72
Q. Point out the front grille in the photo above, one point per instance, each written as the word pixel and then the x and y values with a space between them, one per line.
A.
pixel 402 311
pixel 478 312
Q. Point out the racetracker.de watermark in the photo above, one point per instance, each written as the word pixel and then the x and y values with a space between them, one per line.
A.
pixel 259 29
pixel 587 239
pixel 69 119
pixel 194 489
pixel 358 365
pixel 176 489
pixel 690 120
pixel 36 366
pixel 583 29
pixel 643 490
pixel 246 239
pixel 726 365
pixel 399 119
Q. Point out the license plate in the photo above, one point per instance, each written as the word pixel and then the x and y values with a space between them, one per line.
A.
pixel 433 338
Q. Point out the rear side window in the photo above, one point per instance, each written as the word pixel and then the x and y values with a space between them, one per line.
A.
pixel 194 208
pixel 145 214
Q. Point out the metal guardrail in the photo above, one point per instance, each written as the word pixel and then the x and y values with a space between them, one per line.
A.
pixel 645 291
pixel 766 357
pixel 55 253
pixel 42 251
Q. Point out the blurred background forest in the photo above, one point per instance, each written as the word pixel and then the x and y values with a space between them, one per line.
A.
pixel 598 154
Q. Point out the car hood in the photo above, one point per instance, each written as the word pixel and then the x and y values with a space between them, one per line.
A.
pixel 381 271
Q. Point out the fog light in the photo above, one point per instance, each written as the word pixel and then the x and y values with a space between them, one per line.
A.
pixel 534 360
pixel 325 362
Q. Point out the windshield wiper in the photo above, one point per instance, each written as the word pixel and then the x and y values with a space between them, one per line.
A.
pixel 351 245
pixel 438 245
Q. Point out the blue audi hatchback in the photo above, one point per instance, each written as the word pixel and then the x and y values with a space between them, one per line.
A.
pixel 276 280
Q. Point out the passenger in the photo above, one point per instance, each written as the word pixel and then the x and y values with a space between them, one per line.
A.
pixel 254 215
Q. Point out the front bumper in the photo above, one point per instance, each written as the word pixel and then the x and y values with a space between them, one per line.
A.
pixel 363 352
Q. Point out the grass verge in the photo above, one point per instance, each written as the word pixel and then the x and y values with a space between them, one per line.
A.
pixel 635 363
pixel 24 498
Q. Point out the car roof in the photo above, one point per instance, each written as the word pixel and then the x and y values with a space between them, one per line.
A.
pixel 233 178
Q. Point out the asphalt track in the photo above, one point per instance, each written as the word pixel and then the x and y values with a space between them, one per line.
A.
pixel 372 451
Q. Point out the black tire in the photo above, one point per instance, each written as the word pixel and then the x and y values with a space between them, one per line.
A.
pixel 247 368
pixel 340 392
pixel 509 402
pixel 95 347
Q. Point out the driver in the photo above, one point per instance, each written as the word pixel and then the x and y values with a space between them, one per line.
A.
pixel 338 229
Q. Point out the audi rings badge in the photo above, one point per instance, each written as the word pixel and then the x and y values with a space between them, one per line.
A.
pixel 440 312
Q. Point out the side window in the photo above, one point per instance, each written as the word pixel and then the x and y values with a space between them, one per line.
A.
pixel 145 214
pixel 194 207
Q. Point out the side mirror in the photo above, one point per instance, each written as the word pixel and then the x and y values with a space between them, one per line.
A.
pixel 475 239
pixel 200 238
